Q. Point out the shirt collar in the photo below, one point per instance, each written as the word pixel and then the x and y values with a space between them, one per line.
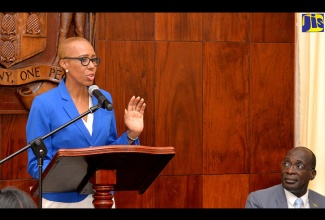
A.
pixel 291 198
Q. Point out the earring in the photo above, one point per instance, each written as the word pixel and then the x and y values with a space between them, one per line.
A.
pixel 66 71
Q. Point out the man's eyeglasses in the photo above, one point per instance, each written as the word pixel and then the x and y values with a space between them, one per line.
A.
pixel 85 60
pixel 297 167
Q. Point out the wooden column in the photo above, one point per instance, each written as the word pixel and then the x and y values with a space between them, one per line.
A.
pixel 103 183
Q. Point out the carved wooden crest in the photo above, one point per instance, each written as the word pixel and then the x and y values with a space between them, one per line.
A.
pixel 28 50
pixel 23 35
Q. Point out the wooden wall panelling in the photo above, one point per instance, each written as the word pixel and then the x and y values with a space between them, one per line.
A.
pixel 124 66
pixel 226 99
pixel 101 74
pixel 264 180
pixel 271 105
pixel 233 27
pixel 173 128
pixel 13 139
pixel 272 92
pixel 179 104
pixel 130 71
pixel 9 101
pixel 179 191
pixel 179 26
pixel 129 26
pixel 101 50
pixel 100 26
pixel 226 89
pixel 169 75
pixel 225 191
pixel 272 27
pixel 132 199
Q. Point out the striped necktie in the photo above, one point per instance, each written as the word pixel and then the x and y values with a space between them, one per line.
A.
pixel 298 203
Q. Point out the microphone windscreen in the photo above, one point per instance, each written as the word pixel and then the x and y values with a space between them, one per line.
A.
pixel 92 88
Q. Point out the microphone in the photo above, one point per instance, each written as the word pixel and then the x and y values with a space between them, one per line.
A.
pixel 102 100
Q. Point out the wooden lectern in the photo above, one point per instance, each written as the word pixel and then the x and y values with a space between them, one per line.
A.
pixel 100 170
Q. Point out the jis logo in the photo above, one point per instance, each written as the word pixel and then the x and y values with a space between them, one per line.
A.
pixel 312 22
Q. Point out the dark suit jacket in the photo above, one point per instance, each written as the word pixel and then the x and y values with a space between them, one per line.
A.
pixel 274 197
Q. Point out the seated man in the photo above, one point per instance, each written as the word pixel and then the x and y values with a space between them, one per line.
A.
pixel 297 169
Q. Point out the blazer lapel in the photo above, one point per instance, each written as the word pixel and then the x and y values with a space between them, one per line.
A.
pixel 97 119
pixel 312 200
pixel 72 111
pixel 282 200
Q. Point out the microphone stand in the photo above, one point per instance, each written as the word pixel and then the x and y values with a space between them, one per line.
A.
pixel 40 150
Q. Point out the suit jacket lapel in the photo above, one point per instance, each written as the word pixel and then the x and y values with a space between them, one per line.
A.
pixel 282 200
pixel 97 119
pixel 312 200
pixel 72 111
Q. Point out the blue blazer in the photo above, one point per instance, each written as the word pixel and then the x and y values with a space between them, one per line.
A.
pixel 55 108
pixel 274 197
